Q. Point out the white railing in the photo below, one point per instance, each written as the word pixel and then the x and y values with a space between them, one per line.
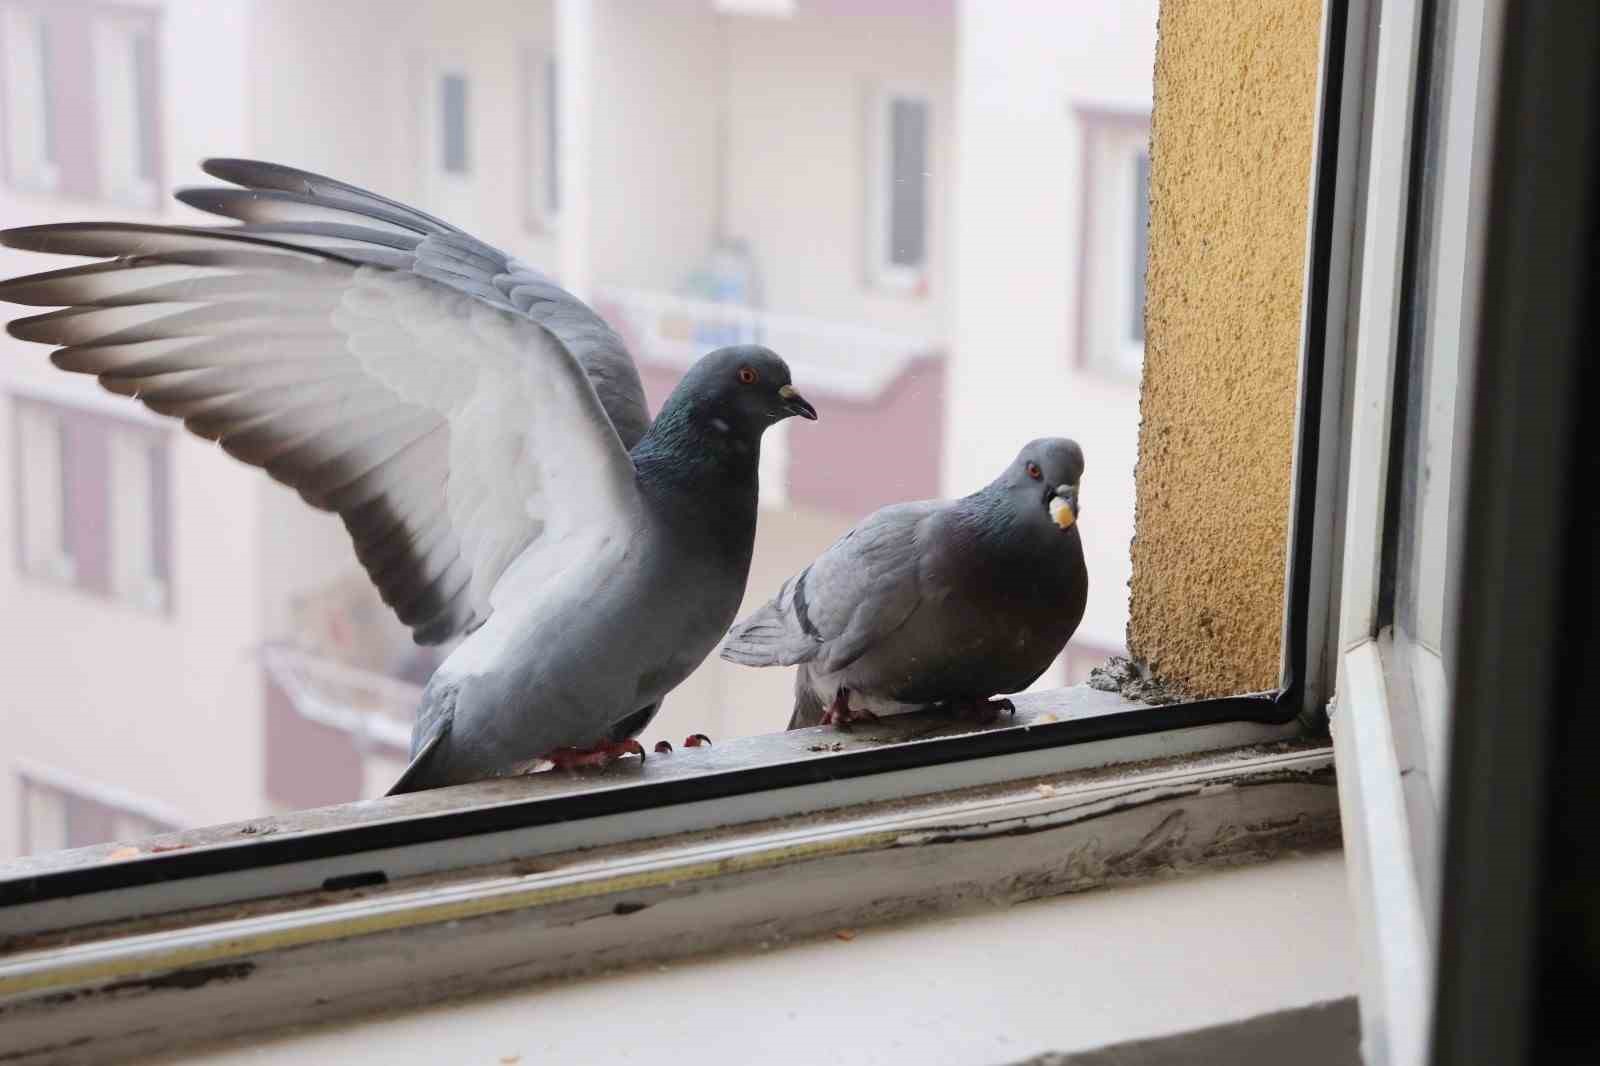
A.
pixel 375 710
pixel 849 361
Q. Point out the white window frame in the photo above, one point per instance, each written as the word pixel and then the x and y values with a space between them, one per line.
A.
pixel 27 100
pixel 1390 717
pixel 541 131
pixel 1112 142
pixel 120 112
pixel 883 271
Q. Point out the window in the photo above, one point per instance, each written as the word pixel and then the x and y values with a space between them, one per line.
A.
pixel 453 130
pixel 125 91
pixel 689 797
pixel 30 117
pixel 94 136
pixel 93 503
pixel 542 135
pixel 63 810
pixel 1114 223
pixel 44 548
pixel 900 174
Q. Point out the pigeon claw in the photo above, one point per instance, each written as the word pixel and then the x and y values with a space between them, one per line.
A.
pixel 697 740
pixel 841 715
pixel 663 747
pixel 601 755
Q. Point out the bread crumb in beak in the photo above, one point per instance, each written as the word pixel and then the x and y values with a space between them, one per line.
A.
pixel 1061 512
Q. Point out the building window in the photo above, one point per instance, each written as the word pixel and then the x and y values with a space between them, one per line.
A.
pixel 453 157
pixel 94 137
pixel 93 503
pixel 58 810
pixel 542 133
pixel 1141 247
pixel 30 119
pixel 125 88
pixel 900 178
pixel 1114 183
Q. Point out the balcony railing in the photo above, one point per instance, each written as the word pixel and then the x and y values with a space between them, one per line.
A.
pixel 845 360
pixel 374 710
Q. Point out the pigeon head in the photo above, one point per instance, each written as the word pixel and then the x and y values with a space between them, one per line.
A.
pixel 740 391
pixel 1043 480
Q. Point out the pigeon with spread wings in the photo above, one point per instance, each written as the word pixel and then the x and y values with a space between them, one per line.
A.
pixel 481 432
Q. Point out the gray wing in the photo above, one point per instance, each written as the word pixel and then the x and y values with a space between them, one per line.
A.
pixel 450 431
pixel 859 591
pixel 296 207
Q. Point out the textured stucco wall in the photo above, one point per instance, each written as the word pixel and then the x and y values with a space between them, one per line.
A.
pixel 1235 94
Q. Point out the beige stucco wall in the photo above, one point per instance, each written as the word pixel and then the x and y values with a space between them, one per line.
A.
pixel 1235 95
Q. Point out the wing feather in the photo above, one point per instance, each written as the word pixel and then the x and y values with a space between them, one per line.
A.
pixel 454 407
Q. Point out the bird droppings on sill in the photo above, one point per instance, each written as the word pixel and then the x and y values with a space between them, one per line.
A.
pixel 1133 680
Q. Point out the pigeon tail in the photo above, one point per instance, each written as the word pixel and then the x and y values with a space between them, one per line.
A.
pixel 808 708
pixel 768 638
pixel 415 777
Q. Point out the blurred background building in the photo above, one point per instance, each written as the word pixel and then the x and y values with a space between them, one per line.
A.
pixel 934 209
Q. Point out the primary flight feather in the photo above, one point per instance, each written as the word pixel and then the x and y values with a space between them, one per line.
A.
pixel 482 433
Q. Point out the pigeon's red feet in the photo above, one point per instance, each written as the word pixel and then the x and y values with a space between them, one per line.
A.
pixel 602 754
pixel 663 747
pixel 840 714
pixel 982 711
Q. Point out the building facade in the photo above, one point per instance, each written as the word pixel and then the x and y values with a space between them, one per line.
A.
pixel 933 209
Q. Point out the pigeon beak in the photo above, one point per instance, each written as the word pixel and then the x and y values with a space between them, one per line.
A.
pixel 1064 506
pixel 795 404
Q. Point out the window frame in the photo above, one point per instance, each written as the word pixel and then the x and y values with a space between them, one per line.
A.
pixel 1103 344
pixel 113 429
pixel 42 174
pixel 1444 744
pixel 115 27
pixel 882 272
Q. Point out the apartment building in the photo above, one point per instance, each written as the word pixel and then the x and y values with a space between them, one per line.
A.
pixel 934 210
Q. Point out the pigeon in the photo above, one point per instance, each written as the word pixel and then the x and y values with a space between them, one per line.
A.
pixel 936 603
pixel 482 433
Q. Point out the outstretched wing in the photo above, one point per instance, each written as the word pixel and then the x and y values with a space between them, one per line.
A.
pixel 858 592
pixel 386 373
pixel 297 207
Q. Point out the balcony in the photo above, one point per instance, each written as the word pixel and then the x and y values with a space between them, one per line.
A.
pixel 843 360
pixel 881 395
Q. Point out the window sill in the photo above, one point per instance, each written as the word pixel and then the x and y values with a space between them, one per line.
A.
pixel 574 896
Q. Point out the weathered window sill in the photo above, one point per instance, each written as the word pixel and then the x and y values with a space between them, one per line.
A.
pixel 161 963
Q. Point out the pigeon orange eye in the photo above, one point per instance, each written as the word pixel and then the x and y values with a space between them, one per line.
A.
pixel 747 375
pixel 1034 471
